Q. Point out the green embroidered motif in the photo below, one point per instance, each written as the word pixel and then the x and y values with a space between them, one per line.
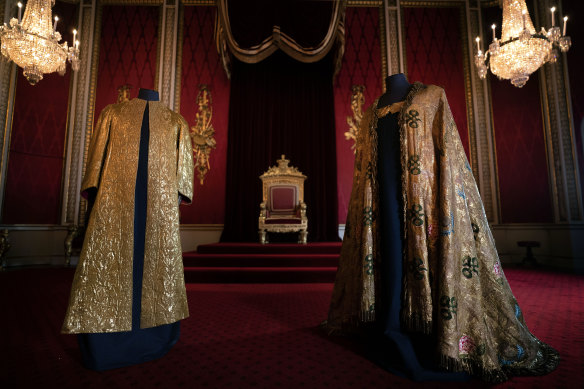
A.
pixel 415 214
pixel 412 118
pixel 414 164
pixel 416 268
pixel 469 266
pixel 371 308
pixel 369 172
pixel 449 306
pixel 475 230
pixel 369 264
pixel 368 216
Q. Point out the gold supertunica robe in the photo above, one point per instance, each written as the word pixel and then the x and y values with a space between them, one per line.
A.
pixel 101 295
pixel 453 283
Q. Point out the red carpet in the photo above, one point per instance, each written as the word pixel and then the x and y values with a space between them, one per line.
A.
pixel 257 263
pixel 255 336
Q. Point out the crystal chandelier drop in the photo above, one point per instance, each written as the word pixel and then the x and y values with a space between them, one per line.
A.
pixel 520 51
pixel 33 44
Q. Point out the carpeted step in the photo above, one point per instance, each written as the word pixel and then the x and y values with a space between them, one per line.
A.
pixel 209 274
pixel 260 260
pixel 271 248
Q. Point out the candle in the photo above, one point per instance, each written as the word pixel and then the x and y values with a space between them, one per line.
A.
pixel 478 45
pixel 55 25
pixel 523 14
pixel 565 21
pixel 77 45
pixel 19 11
pixel 494 36
pixel 553 9
pixel 74 35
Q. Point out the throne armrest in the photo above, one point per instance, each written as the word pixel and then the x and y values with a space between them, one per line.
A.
pixel 263 210
pixel 302 207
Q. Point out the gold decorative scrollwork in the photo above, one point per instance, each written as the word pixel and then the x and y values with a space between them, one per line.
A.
pixel 124 93
pixel 357 101
pixel 202 133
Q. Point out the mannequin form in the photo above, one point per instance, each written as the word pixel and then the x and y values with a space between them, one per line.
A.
pixel 396 87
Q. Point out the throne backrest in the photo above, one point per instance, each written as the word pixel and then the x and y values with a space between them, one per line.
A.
pixel 282 198
pixel 283 188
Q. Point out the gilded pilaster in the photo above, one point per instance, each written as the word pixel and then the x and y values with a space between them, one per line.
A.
pixel 167 54
pixel 81 112
pixel 7 88
pixel 480 125
pixel 559 130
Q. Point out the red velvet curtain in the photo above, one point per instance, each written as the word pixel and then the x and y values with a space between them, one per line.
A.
pixel 35 162
pixel 281 106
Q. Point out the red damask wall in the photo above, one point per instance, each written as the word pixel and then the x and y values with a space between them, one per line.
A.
pixel 127 52
pixel 361 66
pixel 521 157
pixel 433 39
pixel 201 65
pixel 35 162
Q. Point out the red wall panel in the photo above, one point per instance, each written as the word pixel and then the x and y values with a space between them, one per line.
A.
pixel 433 40
pixel 201 65
pixel 361 66
pixel 127 53
pixel 521 156
pixel 35 162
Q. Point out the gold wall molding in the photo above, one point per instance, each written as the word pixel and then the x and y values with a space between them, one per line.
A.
pixel 365 3
pixel 199 2
pixel 131 2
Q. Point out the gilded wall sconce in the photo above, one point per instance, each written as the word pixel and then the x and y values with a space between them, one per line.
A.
pixel 354 122
pixel 202 133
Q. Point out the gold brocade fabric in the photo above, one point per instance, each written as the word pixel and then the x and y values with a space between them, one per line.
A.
pixel 101 295
pixel 453 283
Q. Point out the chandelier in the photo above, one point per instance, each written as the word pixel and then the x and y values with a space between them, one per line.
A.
pixel 33 44
pixel 520 51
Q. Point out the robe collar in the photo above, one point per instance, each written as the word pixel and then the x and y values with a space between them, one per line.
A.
pixel 148 94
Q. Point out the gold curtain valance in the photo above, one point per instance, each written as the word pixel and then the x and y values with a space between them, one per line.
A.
pixel 227 43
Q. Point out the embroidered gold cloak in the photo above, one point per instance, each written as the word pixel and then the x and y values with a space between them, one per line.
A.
pixel 101 295
pixel 453 283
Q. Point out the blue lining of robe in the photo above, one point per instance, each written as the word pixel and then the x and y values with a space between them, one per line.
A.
pixel 414 351
pixel 104 351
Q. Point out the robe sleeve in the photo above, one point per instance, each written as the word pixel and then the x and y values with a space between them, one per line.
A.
pixel 97 153
pixel 185 166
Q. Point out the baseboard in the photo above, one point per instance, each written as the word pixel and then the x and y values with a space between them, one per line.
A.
pixel 561 246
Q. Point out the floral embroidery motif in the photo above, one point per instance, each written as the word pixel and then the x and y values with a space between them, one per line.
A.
pixel 513 359
pixel 368 216
pixel 412 118
pixel 369 264
pixel 415 214
pixel 469 266
pixel 414 164
pixel 460 192
pixel 416 267
pixel 449 306
pixel 497 269
pixel 465 345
